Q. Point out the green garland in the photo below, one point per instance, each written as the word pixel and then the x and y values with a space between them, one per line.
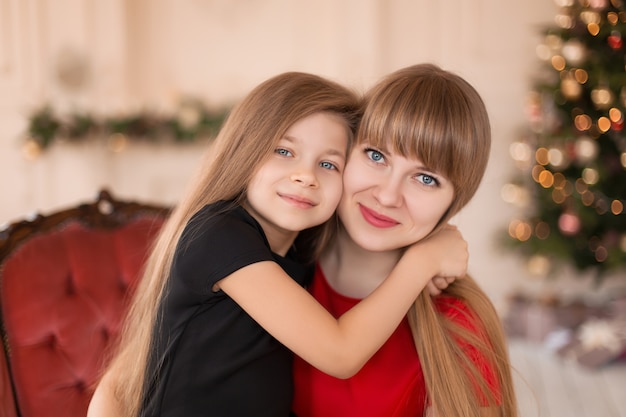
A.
pixel 193 121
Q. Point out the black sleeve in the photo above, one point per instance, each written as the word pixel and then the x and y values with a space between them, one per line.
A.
pixel 214 245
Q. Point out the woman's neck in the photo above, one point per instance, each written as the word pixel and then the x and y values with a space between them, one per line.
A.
pixel 354 271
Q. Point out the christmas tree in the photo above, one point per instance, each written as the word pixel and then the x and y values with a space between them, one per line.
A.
pixel 571 184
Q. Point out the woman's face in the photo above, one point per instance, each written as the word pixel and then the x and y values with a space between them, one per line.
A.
pixel 390 201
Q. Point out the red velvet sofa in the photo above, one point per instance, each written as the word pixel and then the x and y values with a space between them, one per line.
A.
pixel 65 281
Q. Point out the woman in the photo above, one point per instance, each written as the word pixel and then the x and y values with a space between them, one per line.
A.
pixel 421 150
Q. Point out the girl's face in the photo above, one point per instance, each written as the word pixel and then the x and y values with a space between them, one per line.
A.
pixel 300 185
pixel 390 201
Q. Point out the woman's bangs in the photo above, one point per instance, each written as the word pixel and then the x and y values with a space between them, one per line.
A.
pixel 415 139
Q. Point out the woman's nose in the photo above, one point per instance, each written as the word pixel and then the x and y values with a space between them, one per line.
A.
pixel 389 192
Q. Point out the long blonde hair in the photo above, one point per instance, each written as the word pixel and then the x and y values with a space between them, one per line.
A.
pixel 425 112
pixel 247 139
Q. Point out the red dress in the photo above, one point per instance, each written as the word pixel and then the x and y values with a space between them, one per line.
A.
pixel 391 383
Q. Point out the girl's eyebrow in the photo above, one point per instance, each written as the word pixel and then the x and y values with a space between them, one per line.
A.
pixel 336 152
pixel 289 138
pixel 331 151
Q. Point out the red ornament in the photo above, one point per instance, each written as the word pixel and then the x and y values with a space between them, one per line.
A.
pixel 618 126
pixel 569 224
pixel 615 40
pixel 570 150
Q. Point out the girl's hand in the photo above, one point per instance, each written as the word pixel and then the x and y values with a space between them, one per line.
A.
pixel 447 250
pixel 436 285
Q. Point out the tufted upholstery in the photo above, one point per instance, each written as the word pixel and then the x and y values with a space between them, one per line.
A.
pixel 65 280
pixel 7 403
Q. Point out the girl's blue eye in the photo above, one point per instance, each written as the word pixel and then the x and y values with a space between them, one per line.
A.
pixel 283 152
pixel 374 155
pixel 328 165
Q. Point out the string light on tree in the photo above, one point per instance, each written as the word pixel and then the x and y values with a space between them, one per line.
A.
pixel 571 160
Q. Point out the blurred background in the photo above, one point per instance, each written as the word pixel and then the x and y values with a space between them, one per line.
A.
pixel 126 94
pixel 122 58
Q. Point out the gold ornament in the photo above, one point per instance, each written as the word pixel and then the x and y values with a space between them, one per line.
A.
pixel 570 88
pixel 31 149
pixel 602 97
pixel 574 52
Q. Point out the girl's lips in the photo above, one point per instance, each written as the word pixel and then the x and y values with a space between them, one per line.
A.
pixel 376 219
pixel 297 201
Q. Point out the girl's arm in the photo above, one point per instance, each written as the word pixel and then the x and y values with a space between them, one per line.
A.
pixel 340 347
pixel 103 403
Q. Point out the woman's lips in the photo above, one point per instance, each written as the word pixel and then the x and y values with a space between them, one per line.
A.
pixel 376 219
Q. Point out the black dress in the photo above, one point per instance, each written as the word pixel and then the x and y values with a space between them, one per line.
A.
pixel 209 357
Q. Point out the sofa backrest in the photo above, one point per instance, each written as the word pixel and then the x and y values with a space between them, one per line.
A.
pixel 65 282
pixel 7 399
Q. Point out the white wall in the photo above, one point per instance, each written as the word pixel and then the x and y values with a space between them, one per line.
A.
pixel 147 53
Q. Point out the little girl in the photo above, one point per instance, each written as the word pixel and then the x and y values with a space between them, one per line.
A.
pixel 222 301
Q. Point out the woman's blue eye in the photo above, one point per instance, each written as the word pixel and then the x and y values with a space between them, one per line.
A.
pixel 428 179
pixel 283 152
pixel 374 155
pixel 328 165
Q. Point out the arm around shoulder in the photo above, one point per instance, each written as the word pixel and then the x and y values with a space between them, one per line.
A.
pixel 338 347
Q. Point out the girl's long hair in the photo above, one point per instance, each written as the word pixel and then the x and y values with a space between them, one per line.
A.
pixel 425 112
pixel 247 138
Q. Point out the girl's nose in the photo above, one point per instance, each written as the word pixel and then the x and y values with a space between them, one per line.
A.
pixel 305 177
